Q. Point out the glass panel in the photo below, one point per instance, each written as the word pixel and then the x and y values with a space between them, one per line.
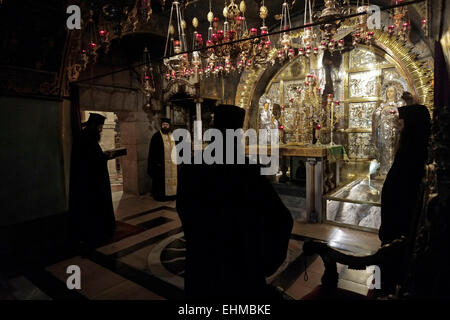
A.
pixel 358 204
pixel 363 84
pixel 361 114
pixel 361 215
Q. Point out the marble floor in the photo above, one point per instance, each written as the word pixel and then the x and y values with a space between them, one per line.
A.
pixel 149 264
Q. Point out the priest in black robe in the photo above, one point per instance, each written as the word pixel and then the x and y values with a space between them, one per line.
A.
pixel 90 201
pixel 161 169
pixel 236 227
pixel 401 194
pixel 402 184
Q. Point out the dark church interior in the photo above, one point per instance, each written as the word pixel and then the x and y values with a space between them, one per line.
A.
pixel 122 180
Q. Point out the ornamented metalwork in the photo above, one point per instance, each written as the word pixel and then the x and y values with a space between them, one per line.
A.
pixel 362 33
pixel 418 76
pixel 147 78
pixel 307 109
pixel 401 25
pixel 269 118
pixel 274 92
pixel 178 63
pixel 359 145
pixel 139 15
pixel 331 10
pixel 392 77
pixel 292 123
pixel 294 70
pixel 397 85
pixel 362 57
pixel 286 50
pixel 290 89
pixel 363 84
pixel 334 117
pixel 103 23
pixel 360 114
pixel 384 129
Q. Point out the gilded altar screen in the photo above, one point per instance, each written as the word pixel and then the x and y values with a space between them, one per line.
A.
pixel 369 85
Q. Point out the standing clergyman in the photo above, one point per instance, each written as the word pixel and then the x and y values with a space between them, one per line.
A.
pixel 91 206
pixel 161 168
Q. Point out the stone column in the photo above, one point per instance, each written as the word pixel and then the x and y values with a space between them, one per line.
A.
pixel 310 188
pixel 135 134
pixel 314 189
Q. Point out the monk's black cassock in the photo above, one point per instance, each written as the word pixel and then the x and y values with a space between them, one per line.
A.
pixel 399 196
pixel 236 227
pixel 155 166
pixel 91 208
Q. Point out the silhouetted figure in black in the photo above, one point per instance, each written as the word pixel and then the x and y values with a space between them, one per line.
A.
pixel 400 193
pixel 400 190
pixel 90 202
pixel 236 227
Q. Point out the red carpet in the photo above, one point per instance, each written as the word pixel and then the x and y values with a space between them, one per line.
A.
pixel 124 230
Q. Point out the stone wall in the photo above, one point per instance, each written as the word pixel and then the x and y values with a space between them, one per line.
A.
pixel 33 157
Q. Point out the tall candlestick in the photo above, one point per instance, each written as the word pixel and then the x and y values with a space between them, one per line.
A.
pixel 332 122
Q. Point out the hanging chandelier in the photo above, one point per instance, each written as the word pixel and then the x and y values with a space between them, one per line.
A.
pixel 255 52
pixel 231 46
pixel 309 43
pixel 101 22
pixel 362 33
pixel 177 63
pixel 225 54
pixel 286 50
pixel 332 11
pixel 222 51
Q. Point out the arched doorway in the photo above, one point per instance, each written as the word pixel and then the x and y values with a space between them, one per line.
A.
pixel 113 85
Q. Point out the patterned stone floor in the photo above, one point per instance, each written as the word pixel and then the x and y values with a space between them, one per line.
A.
pixel 149 265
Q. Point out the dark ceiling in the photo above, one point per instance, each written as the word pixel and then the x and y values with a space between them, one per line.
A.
pixel 33 32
